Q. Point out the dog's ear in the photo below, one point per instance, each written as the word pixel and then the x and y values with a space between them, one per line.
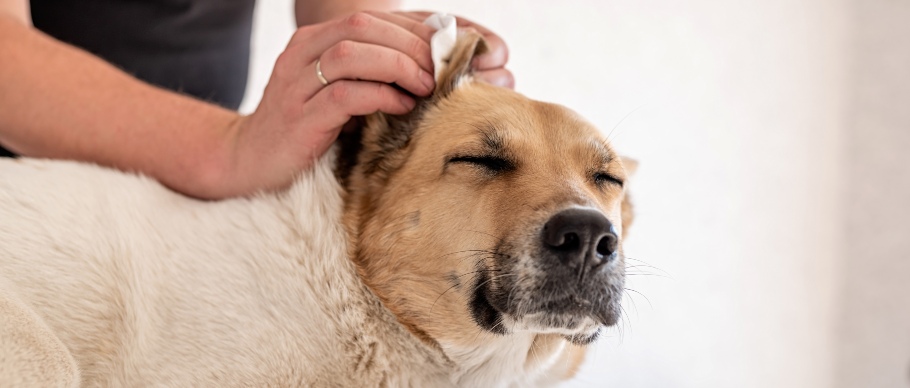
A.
pixel 629 164
pixel 384 137
pixel 628 210
pixel 458 65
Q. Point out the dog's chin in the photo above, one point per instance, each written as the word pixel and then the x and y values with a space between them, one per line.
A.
pixel 578 321
pixel 580 330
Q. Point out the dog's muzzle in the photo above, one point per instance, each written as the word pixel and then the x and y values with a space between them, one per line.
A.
pixel 568 279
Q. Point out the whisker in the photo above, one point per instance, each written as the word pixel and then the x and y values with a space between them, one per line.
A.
pixel 622 120
pixel 634 305
pixel 644 264
pixel 642 295
pixel 624 321
pixel 456 285
pixel 491 278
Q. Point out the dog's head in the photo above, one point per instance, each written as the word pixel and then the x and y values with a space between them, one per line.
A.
pixel 486 213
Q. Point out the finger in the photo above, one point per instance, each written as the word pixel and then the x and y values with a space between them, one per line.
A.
pixel 369 62
pixel 416 27
pixel 498 77
pixel 415 15
pixel 496 57
pixel 364 28
pixel 335 104
pixel 498 53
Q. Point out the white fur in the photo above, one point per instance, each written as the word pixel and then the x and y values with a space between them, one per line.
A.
pixel 111 279
pixel 147 287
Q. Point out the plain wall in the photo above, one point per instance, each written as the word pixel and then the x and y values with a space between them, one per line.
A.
pixel 874 335
pixel 740 113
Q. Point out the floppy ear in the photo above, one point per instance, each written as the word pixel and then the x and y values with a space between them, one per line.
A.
pixel 458 64
pixel 629 164
pixel 380 147
pixel 628 210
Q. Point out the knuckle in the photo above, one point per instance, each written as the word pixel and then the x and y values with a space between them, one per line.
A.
pixel 402 63
pixel 424 31
pixel 339 92
pixel 284 65
pixel 384 91
pixel 341 51
pixel 302 35
pixel 418 47
pixel 358 22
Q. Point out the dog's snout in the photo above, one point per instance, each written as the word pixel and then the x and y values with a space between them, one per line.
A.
pixel 580 238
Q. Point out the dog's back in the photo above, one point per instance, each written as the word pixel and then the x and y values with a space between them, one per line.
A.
pixel 145 286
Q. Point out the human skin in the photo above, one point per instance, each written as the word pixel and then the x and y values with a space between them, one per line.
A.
pixel 58 101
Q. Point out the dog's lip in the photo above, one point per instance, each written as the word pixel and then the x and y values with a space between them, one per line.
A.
pixel 577 306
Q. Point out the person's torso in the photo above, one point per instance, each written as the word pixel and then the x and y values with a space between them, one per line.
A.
pixel 198 47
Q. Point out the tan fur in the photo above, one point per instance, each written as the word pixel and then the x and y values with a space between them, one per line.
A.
pixel 108 279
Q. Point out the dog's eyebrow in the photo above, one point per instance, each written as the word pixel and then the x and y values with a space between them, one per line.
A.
pixel 491 137
pixel 601 153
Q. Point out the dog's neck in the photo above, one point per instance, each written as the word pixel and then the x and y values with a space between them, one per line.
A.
pixel 521 359
pixel 376 348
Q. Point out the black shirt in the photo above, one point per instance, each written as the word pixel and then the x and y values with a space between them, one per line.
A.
pixel 197 47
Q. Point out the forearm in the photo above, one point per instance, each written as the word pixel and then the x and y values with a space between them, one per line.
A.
pixel 316 11
pixel 57 101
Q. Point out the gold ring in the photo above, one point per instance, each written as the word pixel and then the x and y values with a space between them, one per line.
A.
pixel 319 74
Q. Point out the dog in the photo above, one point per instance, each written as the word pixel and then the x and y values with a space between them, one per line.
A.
pixel 476 241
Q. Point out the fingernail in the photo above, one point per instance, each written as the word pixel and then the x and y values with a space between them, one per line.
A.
pixel 408 102
pixel 505 82
pixel 427 80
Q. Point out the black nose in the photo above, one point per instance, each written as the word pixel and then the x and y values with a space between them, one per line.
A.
pixel 583 239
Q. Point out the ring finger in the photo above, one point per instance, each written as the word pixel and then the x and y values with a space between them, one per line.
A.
pixel 365 28
pixel 350 60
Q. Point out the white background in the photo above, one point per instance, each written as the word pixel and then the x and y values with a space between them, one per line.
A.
pixel 773 187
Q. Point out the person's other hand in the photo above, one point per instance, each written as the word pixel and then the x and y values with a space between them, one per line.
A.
pixel 299 118
pixel 490 66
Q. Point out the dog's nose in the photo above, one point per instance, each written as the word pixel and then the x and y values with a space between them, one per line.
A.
pixel 580 238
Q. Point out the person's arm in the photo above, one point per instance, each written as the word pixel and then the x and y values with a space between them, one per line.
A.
pixel 17 9
pixel 57 101
pixel 317 11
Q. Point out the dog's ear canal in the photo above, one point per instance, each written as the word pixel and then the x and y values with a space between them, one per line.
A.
pixel 458 65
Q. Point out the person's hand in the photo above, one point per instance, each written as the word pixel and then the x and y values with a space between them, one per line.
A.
pixel 490 66
pixel 360 56
pixel 299 118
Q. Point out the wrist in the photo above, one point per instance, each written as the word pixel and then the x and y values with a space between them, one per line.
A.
pixel 215 173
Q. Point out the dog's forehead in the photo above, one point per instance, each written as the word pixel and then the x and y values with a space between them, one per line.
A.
pixel 482 113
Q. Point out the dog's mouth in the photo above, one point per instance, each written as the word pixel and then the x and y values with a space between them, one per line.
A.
pixel 578 311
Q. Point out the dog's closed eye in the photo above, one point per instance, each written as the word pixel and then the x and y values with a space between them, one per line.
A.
pixel 602 179
pixel 490 163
